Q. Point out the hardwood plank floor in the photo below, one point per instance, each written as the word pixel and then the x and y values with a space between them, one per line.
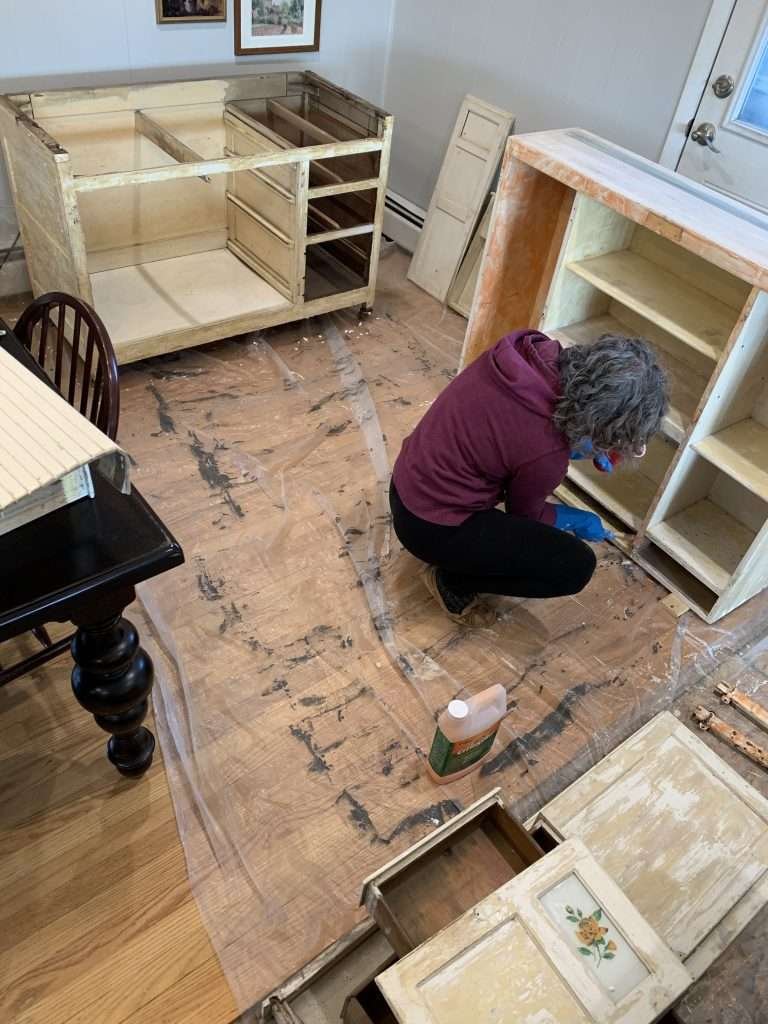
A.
pixel 97 920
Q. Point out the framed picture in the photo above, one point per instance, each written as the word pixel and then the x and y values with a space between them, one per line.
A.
pixel 170 12
pixel 276 26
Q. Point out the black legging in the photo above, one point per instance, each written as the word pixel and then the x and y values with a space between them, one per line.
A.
pixel 493 552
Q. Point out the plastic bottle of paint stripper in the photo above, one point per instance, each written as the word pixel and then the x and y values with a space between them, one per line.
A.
pixel 465 734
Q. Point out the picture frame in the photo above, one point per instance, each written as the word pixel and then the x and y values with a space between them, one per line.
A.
pixel 177 12
pixel 276 26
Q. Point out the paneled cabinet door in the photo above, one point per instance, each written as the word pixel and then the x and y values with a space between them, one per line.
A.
pixel 467 174
pixel 558 944
pixel 681 832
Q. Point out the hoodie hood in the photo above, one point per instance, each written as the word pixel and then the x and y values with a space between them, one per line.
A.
pixel 526 364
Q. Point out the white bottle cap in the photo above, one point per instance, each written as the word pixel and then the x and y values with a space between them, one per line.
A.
pixel 458 709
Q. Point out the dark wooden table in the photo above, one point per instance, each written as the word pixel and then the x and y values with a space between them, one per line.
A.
pixel 80 564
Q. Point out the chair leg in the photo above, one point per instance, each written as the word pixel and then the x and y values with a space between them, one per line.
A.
pixel 43 636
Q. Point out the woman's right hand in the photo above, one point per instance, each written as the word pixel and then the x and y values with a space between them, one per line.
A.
pixel 585 525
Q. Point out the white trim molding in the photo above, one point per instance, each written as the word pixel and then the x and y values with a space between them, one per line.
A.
pixel 704 58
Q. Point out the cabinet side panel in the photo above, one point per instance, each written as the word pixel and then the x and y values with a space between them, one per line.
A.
pixel 527 229
pixel 46 210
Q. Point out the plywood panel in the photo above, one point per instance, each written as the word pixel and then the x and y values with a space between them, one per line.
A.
pixel 135 215
pixel 40 176
pixel 179 294
pixel 527 228
pixel 697 319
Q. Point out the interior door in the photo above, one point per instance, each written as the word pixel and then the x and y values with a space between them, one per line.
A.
pixel 727 148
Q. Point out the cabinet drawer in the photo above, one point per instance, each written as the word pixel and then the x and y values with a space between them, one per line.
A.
pixel 340 976
pixel 434 882
pixel 256 242
pixel 246 140
pixel 266 197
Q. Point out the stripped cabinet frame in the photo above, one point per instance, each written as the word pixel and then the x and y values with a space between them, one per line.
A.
pixel 586 239
pixel 191 211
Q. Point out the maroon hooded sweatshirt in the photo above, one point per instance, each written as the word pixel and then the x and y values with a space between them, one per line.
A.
pixel 489 437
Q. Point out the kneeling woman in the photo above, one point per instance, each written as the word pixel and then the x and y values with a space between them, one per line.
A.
pixel 503 431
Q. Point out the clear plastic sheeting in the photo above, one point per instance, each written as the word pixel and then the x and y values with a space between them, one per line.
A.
pixel 301 663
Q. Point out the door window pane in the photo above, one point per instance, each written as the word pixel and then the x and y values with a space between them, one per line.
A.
pixel 754 109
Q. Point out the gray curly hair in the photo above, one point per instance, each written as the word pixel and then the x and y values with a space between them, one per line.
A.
pixel 613 392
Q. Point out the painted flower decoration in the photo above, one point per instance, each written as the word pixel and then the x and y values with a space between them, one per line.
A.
pixel 592 935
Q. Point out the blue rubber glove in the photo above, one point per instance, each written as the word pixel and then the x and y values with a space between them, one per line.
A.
pixel 585 525
pixel 586 450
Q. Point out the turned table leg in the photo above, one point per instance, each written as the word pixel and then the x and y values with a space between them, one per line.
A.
pixel 112 679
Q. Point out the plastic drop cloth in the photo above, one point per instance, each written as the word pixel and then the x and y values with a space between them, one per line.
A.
pixel 300 664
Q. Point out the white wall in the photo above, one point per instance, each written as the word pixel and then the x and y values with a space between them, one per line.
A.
pixel 616 67
pixel 68 43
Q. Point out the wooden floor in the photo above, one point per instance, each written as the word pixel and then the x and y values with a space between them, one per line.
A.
pixel 100 923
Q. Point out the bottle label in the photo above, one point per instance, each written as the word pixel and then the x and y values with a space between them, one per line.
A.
pixel 445 757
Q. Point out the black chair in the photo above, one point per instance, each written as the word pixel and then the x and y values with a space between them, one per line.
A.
pixel 70 343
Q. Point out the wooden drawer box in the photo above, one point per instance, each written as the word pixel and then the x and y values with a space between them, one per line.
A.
pixel 434 882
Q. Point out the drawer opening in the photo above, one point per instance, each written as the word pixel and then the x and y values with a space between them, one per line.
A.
pixel 335 213
pixel 451 877
pixel 677 579
pixel 368 1006
pixel 290 123
pixel 338 266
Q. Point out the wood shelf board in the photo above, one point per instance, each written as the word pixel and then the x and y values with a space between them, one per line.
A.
pixel 741 451
pixel 627 493
pixel 179 294
pixel 683 401
pixel 706 540
pixel 697 319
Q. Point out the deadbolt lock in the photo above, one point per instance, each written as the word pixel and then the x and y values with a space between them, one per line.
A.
pixel 723 86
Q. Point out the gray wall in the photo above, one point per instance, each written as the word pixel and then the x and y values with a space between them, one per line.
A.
pixel 616 67
pixel 69 43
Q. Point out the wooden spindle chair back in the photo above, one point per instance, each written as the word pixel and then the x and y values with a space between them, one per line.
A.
pixel 70 342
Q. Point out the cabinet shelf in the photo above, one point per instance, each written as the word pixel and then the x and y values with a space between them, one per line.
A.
pixel 741 451
pixel 706 540
pixel 688 313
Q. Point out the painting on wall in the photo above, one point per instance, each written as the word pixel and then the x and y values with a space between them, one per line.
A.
pixel 276 26
pixel 172 11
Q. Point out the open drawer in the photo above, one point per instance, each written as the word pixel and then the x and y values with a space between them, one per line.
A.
pixel 436 880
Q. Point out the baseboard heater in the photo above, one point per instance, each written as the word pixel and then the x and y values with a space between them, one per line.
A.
pixel 403 220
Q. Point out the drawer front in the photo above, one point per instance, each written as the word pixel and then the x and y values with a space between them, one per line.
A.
pixel 260 193
pixel 243 140
pixel 272 257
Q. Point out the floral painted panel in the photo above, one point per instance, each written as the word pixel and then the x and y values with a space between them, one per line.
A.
pixel 593 936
